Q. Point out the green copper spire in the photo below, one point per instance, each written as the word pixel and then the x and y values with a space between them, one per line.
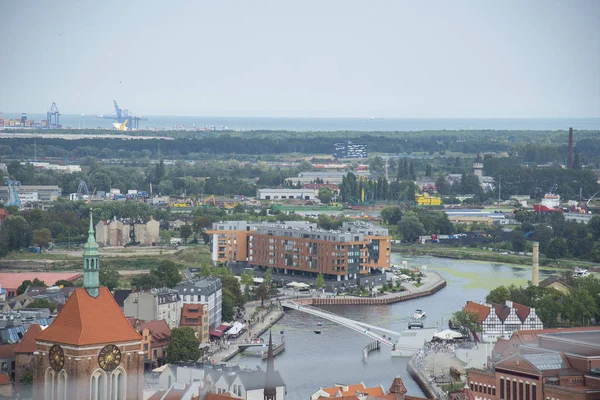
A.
pixel 91 275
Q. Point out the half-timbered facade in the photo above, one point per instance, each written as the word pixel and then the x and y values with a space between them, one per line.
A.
pixel 500 321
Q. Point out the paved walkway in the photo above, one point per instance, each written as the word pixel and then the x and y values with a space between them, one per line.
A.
pixel 224 350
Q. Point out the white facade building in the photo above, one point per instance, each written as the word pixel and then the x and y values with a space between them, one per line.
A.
pixel 500 321
pixel 155 304
pixel 286 194
pixel 205 291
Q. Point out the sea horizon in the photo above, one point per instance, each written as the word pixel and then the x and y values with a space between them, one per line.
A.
pixel 325 124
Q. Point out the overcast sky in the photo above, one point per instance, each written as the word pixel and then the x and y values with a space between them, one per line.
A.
pixel 321 58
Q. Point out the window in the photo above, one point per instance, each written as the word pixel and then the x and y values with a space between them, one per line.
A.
pixel 61 393
pixel 534 392
pixel 514 385
pixel 49 385
pixel 98 385
pixel 527 388
pixel 520 390
pixel 501 388
pixel 118 384
pixel 508 389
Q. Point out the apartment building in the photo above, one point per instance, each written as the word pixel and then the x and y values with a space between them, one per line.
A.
pixel 207 291
pixel 301 246
pixel 154 304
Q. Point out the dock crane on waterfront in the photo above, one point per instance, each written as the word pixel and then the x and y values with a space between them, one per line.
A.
pixel 122 115
pixel 52 120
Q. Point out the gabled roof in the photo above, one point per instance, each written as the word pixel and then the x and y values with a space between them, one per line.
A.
pixel 27 344
pixel 517 362
pixel 191 314
pixel 479 309
pixel 86 320
pixel 159 330
pixel 502 311
pixel 552 279
pixel 120 296
pixel 522 311
pixel 353 390
pixel 253 380
pixel 398 386
pixel 7 351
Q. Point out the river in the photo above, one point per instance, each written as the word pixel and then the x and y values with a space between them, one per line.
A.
pixel 311 361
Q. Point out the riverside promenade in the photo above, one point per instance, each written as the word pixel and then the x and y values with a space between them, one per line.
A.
pixel 273 312
pixel 431 284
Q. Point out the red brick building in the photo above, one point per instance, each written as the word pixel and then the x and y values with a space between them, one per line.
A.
pixel 90 351
pixel 24 353
pixel 555 364
pixel 196 317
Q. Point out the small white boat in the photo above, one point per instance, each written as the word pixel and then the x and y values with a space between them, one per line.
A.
pixel 419 314
pixel 580 273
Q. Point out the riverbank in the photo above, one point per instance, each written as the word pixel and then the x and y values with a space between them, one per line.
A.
pixel 430 285
pixel 226 350
pixel 465 253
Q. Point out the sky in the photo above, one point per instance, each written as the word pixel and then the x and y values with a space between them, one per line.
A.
pixel 309 58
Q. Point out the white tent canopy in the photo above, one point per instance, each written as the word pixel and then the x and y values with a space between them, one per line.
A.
pixel 447 334
pixel 235 329
pixel 298 285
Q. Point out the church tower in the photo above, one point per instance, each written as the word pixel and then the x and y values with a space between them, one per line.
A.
pixel 91 274
pixel 90 351
pixel 270 390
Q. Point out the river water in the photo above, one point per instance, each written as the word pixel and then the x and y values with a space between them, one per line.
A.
pixel 311 361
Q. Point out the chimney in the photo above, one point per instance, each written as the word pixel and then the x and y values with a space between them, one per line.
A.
pixel 535 265
pixel 570 154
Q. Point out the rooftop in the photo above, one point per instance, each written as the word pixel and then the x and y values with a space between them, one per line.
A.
pixel 86 320
pixel 14 280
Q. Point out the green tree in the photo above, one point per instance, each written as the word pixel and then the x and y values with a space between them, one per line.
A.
pixel 320 282
pixel 42 237
pixel 268 278
pixel 167 272
pixel 42 303
pixel 442 185
pixel 594 226
pixel 109 277
pixel 550 307
pixel 325 195
pixel 205 271
pixel 428 170
pixel 227 305
pixel 391 215
pixel 466 321
pixel 498 295
pixel 27 377
pixel 183 345
pixel 63 283
pixel 410 227
pixel 580 307
pixel 262 292
pixel 517 240
pixel 557 248
pixel 185 232
pixel 26 283
pixel 247 279
pixel 165 236
pixel 145 281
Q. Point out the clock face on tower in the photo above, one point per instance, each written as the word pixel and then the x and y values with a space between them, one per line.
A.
pixel 109 357
pixel 56 356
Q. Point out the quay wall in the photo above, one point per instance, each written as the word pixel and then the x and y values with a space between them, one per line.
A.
pixel 421 379
pixel 318 301
pixel 376 345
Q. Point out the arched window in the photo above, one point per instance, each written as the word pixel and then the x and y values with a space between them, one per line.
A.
pixel 61 393
pixel 98 385
pixel 49 384
pixel 118 384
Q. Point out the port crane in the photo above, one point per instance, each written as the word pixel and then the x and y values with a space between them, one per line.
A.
pixel 122 116
pixel 13 196
pixel 52 120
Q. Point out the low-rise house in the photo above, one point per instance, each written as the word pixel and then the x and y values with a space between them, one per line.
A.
pixel 179 391
pixel 397 391
pixel 246 384
pixel 117 232
pixel 24 355
pixel 500 321
pixel 196 317
pixel 153 305
pixel 7 359
pixel 557 283
pixel 155 339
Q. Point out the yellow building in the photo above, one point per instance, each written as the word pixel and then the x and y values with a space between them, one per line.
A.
pixel 426 200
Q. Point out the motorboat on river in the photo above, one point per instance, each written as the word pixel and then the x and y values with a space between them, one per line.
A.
pixel 419 314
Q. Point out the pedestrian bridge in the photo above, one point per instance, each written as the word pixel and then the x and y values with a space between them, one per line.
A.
pixel 406 342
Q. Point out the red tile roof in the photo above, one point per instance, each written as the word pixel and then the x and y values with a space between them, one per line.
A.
pixel 191 314
pixel 222 396
pixel 169 394
pixel 4 379
pixel 522 311
pixel 12 280
pixel 27 344
pixel 7 350
pixel 86 320
pixel 353 390
pixel 159 330
pixel 479 309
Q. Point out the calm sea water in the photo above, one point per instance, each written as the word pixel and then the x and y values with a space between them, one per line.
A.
pixel 329 124
pixel 311 361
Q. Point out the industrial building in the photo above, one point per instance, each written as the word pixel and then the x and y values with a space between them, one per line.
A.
pixel 350 150
pixel 330 177
pixel 301 247
pixel 286 194
pixel 32 193
pixel 426 200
